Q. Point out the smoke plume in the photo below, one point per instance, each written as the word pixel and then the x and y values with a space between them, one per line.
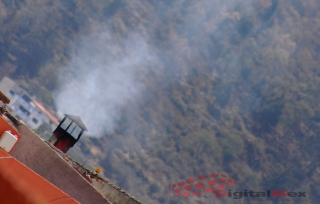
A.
pixel 101 79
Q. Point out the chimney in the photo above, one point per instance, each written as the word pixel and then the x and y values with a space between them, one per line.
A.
pixel 67 133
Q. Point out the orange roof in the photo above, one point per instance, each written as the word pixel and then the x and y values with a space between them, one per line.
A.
pixel 21 185
pixel 45 111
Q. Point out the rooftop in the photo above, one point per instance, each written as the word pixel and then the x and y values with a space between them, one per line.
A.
pixel 59 169
pixel 77 120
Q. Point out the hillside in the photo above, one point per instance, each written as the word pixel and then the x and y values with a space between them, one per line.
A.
pixel 176 89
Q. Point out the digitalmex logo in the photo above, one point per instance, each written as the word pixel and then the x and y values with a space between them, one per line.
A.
pixel 220 185
pixel 216 184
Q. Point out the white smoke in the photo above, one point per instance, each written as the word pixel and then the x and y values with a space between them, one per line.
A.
pixel 101 79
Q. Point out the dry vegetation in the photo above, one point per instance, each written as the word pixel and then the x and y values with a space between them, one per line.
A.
pixel 237 90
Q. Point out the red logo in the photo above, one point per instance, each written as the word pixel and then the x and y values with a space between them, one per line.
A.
pixel 209 184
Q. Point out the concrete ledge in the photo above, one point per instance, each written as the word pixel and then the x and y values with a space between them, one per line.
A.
pixel 39 157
